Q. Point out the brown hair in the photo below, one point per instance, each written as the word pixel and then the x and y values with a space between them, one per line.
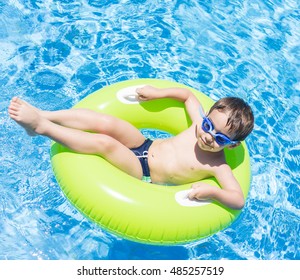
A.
pixel 240 116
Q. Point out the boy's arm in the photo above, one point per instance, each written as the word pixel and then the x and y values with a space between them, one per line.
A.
pixel 230 195
pixel 181 94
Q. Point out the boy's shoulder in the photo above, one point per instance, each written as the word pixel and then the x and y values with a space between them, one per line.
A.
pixel 217 161
pixel 221 170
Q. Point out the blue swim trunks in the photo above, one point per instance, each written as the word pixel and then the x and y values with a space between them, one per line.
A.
pixel 141 153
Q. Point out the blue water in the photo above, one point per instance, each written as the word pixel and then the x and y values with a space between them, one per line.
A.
pixel 53 53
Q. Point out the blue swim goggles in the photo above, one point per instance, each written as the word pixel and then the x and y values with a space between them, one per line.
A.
pixel 208 127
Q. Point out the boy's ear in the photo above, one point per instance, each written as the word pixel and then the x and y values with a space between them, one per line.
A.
pixel 233 146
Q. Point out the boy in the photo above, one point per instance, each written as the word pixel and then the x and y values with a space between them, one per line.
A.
pixel 188 157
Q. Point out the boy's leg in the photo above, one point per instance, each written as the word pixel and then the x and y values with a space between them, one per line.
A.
pixel 93 143
pixel 77 140
pixel 88 120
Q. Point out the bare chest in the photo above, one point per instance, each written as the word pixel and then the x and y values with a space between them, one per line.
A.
pixel 179 160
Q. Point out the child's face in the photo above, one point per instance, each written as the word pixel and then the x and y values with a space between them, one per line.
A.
pixel 206 141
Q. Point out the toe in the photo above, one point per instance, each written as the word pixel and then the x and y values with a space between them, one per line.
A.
pixel 12 112
pixel 18 101
pixel 14 106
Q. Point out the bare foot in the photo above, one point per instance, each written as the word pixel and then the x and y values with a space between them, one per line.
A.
pixel 25 115
pixel 42 113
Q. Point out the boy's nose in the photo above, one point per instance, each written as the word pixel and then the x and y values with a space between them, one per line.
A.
pixel 208 138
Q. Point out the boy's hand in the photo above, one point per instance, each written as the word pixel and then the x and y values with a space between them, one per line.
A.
pixel 201 191
pixel 231 198
pixel 147 93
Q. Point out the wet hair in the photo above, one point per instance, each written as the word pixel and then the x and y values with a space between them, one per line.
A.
pixel 240 116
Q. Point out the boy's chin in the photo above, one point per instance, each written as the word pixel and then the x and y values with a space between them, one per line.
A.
pixel 207 148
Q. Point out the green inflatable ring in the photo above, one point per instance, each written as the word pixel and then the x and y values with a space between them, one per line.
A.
pixel 131 208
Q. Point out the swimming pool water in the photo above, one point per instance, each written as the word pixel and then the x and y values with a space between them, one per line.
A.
pixel 53 53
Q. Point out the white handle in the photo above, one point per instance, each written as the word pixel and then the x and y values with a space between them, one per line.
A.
pixel 128 95
pixel 182 198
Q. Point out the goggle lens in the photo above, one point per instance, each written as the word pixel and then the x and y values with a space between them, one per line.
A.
pixel 207 125
pixel 221 140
